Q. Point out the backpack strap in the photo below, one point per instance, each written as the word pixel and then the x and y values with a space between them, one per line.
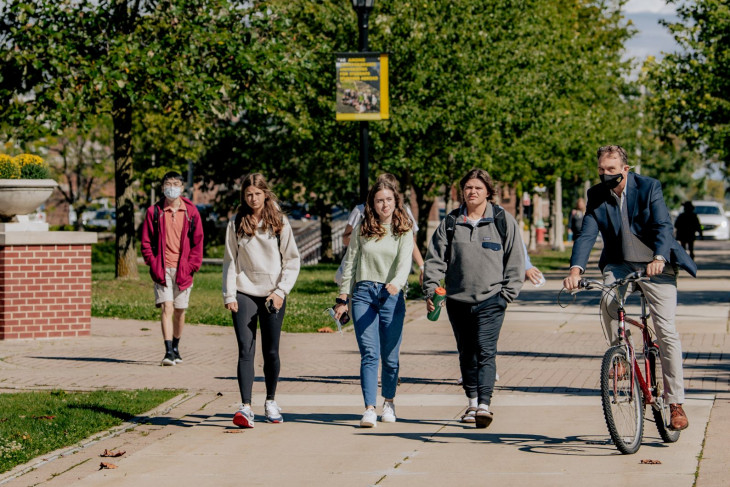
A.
pixel 450 230
pixel 155 229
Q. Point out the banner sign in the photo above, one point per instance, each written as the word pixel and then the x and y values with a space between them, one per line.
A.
pixel 362 86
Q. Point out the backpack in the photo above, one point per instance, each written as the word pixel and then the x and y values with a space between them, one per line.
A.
pixel 500 221
pixel 156 226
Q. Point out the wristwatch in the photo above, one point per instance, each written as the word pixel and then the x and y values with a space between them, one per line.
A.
pixel 660 257
pixel 341 301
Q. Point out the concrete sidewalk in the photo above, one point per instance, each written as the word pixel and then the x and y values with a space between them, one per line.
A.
pixel 548 428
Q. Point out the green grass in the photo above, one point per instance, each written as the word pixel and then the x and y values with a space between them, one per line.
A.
pixel 551 260
pixel 314 291
pixel 35 423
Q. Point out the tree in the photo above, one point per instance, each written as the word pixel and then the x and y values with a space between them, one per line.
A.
pixel 690 89
pixel 66 62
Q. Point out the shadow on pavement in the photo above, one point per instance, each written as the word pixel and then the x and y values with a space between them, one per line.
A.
pixel 100 359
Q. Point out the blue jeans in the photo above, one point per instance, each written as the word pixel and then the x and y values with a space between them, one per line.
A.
pixel 378 318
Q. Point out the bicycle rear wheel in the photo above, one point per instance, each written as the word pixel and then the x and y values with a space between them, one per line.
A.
pixel 660 409
pixel 622 404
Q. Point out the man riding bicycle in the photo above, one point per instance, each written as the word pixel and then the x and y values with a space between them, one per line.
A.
pixel 629 211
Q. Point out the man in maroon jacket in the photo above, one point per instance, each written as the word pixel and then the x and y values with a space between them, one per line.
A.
pixel 172 245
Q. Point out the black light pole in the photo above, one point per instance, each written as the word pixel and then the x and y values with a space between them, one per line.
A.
pixel 363 8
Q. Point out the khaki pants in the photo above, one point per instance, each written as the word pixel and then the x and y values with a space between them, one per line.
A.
pixel 661 297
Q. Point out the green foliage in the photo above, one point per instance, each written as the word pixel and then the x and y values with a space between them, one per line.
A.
pixel 690 89
pixel 8 168
pixel 189 63
pixel 32 167
pixel 35 423
pixel 23 166
pixel 527 90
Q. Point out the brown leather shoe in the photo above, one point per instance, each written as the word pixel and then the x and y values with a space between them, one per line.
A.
pixel 679 420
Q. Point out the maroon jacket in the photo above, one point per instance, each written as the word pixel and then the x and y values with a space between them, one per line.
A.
pixel 191 256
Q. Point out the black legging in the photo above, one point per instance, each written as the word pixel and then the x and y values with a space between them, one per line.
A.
pixel 251 310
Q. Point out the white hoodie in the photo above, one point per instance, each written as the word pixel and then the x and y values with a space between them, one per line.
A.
pixel 256 265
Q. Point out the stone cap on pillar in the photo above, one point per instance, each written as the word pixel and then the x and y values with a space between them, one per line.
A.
pixel 45 238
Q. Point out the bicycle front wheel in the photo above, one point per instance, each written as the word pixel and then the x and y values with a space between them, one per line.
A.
pixel 622 404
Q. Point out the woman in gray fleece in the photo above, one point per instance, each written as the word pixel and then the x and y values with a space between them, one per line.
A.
pixel 478 251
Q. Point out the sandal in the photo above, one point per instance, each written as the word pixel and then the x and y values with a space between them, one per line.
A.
pixel 470 416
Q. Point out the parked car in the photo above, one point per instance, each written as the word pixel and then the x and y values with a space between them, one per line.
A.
pixel 715 223
pixel 103 219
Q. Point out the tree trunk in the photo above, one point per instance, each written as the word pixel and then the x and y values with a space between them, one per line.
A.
pixel 558 242
pixel 424 204
pixel 325 229
pixel 126 256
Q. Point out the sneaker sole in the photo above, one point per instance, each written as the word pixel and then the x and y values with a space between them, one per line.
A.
pixel 167 362
pixel 275 420
pixel 242 421
pixel 178 361
pixel 484 420
pixel 367 425
pixel 387 420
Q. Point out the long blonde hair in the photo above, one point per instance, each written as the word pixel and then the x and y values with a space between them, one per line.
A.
pixel 371 227
pixel 246 223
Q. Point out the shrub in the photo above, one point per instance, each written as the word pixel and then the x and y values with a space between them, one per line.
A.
pixel 31 167
pixel 8 168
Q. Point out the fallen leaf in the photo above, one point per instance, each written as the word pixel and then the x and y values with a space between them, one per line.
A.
pixel 104 465
pixel 232 431
pixel 44 417
pixel 325 329
pixel 112 453
pixel 647 461
pixel 219 394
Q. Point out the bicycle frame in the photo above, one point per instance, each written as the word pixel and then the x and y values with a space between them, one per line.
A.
pixel 643 379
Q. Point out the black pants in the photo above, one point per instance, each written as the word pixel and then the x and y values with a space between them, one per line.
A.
pixel 251 310
pixel 476 329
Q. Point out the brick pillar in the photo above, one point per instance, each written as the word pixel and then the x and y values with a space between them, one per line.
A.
pixel 45 288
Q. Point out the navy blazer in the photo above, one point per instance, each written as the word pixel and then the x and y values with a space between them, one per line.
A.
pixel 648 217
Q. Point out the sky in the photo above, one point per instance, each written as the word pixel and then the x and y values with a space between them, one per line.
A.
pixel 652 38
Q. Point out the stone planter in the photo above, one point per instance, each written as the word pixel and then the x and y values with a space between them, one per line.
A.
pixel 23 196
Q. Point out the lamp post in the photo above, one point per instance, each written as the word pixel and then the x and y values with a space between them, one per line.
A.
pixel 363 8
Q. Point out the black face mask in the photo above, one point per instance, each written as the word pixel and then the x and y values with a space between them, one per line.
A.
pixel 611 181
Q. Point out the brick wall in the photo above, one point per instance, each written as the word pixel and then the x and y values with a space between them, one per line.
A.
pixel 45 291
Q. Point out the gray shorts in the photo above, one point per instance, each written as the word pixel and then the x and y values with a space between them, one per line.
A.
pixel 171 292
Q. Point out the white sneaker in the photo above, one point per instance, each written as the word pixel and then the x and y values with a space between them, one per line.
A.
pixel 273 412
pixel 244 417
pixel 388 415
pixel 369 419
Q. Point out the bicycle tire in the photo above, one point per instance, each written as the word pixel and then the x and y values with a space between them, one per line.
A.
pixel 660 410
pixel 623 406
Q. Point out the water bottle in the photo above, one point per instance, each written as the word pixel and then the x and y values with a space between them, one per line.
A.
pixel 438 299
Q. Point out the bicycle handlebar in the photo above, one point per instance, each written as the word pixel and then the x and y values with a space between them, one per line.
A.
pixel 590 283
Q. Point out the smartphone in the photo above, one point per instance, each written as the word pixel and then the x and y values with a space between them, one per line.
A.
pixel 345 318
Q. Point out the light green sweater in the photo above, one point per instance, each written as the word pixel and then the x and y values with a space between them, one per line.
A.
pixel 387 260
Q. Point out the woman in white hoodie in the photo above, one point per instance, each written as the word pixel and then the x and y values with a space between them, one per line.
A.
pixel 260 267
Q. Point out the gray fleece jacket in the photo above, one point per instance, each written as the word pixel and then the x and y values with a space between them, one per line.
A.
pixel 476 270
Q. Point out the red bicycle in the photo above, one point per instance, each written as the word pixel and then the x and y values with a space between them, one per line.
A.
pixel 625 390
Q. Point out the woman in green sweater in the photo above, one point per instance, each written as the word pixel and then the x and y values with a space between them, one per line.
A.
pixel 375 271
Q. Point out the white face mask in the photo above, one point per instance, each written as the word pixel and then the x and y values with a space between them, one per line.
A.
pixel 172 192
